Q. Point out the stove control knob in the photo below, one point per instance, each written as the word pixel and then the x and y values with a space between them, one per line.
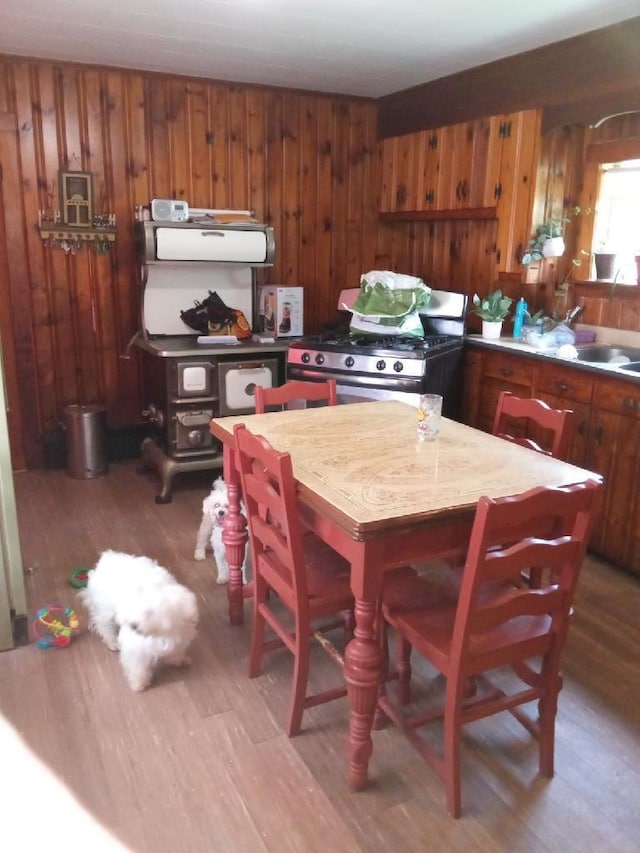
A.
pixel 398 367
pixel 319 358
pixel 349 361
pixel 381 364
pixel 306 358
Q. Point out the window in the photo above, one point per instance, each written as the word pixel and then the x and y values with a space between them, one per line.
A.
pixel 617 217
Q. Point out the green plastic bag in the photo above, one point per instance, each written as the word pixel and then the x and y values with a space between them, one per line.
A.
pixel 389 304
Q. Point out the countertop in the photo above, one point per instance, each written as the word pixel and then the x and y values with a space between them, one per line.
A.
pixel 171 346
pixel 507 344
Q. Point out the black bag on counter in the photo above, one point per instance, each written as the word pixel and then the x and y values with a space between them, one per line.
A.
pixel 210 312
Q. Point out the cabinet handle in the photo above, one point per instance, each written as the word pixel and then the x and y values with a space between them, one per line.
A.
pixel 562 387
pixel 497 192
pixel 506 371
pixel 582 428
pixel 433 142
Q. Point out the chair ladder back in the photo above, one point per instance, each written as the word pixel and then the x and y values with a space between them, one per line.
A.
pixel 562 517
pixel 272 511
pixel 293 391
pixel 555 422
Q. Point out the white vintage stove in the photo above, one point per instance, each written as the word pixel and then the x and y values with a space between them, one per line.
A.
pixel 188 383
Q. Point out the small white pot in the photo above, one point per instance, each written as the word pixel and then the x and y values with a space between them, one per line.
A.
pixel 553 247
pixel 491 328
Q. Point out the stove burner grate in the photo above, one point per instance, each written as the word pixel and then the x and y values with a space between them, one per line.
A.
pixel 399 343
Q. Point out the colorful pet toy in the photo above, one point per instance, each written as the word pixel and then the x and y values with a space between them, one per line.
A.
pixel 79 578
pixel 55 626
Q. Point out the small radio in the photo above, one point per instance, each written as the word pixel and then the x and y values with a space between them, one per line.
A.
pixel 169 210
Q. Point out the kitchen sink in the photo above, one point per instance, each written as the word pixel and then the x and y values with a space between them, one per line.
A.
pixel 609 354
pixel 632 366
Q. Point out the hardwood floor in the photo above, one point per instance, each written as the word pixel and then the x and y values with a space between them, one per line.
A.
pixel 199 762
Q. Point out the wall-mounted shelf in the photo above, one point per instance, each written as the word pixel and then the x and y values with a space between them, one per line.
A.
pixel 68 232
pixel 101 232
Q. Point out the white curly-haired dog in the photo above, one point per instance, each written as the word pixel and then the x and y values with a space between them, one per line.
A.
pixel 138 608
pixel 214 508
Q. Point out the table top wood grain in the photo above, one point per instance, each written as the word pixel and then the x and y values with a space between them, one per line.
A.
pixel 365 461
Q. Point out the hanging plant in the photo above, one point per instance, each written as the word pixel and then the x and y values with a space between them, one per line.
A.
pixel 548 240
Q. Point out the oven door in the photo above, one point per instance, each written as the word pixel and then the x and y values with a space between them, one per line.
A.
pixel 352 388
pixel 237 381
pixel 362 393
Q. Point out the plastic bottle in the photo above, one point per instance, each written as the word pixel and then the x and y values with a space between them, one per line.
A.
pixel 521 310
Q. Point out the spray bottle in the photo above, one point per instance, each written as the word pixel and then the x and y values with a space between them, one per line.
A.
pixel 521 310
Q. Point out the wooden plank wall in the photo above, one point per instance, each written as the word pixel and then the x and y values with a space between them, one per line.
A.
pixel 309 164
pixel 567 178
pixel 306 163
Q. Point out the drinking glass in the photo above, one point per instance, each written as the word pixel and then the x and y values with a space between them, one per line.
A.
pixel 429 414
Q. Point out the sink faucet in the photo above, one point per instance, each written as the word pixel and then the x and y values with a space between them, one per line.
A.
pixel 572 315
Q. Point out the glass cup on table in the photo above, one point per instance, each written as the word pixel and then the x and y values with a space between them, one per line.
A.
pixel 429 415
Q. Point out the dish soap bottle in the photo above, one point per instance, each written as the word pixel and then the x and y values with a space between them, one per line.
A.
pixel 521 310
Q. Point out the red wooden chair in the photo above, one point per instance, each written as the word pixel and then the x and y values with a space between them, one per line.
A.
pixel 553 424
pixel 293 391
pixel 310 579
pixel 496 622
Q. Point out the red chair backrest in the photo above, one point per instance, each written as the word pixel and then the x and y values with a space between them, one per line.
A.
pixel 556 421
pixel 269 491
pixel 295 390
pixel 546 528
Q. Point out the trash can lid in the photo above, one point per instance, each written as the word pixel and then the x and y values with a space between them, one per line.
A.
pixel 83 409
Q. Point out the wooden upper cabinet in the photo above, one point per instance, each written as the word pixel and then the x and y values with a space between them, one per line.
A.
pixel 412 177
pixel 434 151
pixel 514 150
pixel 482 169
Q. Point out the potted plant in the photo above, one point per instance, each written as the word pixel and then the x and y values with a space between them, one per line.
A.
pixel 492 310
pixel 548 240
pixel 605 262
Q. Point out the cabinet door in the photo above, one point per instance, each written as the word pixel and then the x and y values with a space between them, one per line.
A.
pixel 564 388
pixel 514 149
pixel 502 372
pixel 414 176
pixel 580 423
pixel 472 387
pixel 388 166
pixel 434 145
pixel 614 451
pixel 462 163
pixel 400 157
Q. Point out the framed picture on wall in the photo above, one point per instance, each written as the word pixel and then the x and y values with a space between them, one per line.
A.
pixel 76 198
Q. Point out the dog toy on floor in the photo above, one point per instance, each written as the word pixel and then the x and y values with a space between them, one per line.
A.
pixel 55 626
pixel 79 578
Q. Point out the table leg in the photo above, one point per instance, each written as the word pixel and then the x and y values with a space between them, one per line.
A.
pixel 234 536
pixel 362 669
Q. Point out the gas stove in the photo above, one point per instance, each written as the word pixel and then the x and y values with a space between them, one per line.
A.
pixel 390 367
pixel 392 356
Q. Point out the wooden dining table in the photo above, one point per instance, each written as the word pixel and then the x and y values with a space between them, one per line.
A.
pixel 382 498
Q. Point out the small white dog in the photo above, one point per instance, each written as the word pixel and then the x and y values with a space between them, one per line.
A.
pixel 138 608
pixel 214 508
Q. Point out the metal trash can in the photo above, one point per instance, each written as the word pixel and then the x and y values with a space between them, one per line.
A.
pixel 86 431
